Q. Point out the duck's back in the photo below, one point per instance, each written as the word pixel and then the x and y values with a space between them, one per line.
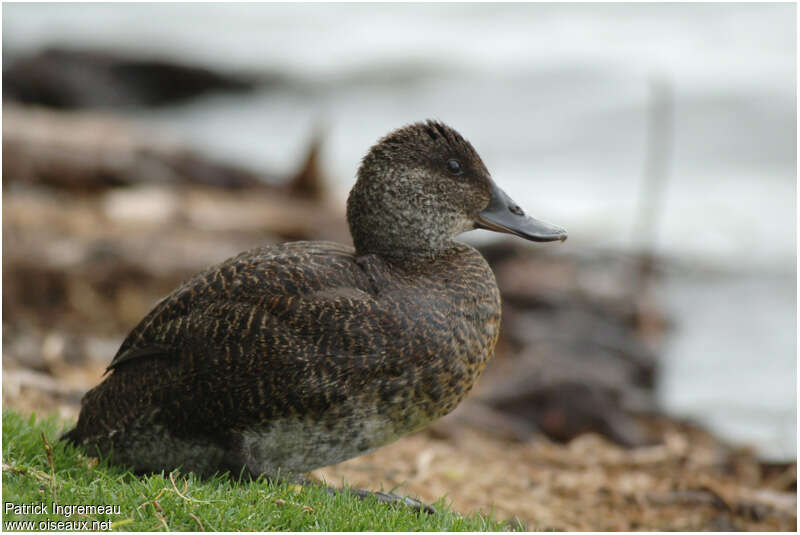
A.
pixel 294 357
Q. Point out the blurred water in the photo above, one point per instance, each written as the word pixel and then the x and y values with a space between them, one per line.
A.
pixel 555 98
pixel 730 367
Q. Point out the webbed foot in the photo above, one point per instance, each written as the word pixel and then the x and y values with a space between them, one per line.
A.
pixel 392 498
pixel 388 498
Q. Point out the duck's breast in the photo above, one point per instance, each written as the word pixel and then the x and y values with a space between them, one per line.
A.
pixel 448 313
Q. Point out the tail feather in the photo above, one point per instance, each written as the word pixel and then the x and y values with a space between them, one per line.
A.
pixel 71 436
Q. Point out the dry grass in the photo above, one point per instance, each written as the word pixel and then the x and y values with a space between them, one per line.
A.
pixel 691 482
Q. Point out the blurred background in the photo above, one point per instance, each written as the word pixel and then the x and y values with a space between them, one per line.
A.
pixel 663 137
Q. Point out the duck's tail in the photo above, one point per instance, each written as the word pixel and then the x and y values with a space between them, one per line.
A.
pixel 71 436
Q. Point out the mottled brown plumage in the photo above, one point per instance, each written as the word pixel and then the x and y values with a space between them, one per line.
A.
pixel 293 357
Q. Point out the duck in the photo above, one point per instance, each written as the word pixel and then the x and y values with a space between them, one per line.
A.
pixel 288 358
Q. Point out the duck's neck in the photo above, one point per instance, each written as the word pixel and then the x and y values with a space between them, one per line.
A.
pixel 392 243
pixel 382 223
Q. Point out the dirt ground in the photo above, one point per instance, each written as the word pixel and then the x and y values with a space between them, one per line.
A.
pixel 588 484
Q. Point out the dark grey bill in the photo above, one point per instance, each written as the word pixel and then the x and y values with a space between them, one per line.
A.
pixel 504 215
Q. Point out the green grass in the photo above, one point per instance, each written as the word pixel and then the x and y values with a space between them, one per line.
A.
pixel 179 502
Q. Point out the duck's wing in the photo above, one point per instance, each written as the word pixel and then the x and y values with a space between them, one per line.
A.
pixel 223 304
pixel 261 337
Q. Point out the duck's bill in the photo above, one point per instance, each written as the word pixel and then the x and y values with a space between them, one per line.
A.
pixel 504 215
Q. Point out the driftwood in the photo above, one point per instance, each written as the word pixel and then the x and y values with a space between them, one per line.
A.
pixel 68 79
pixel 92 152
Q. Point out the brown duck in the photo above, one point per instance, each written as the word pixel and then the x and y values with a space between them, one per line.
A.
pixel 289 358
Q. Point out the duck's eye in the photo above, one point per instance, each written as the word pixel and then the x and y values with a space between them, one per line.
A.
pixel 454 167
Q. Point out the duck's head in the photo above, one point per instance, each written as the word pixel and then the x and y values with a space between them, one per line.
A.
pixel 422 185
